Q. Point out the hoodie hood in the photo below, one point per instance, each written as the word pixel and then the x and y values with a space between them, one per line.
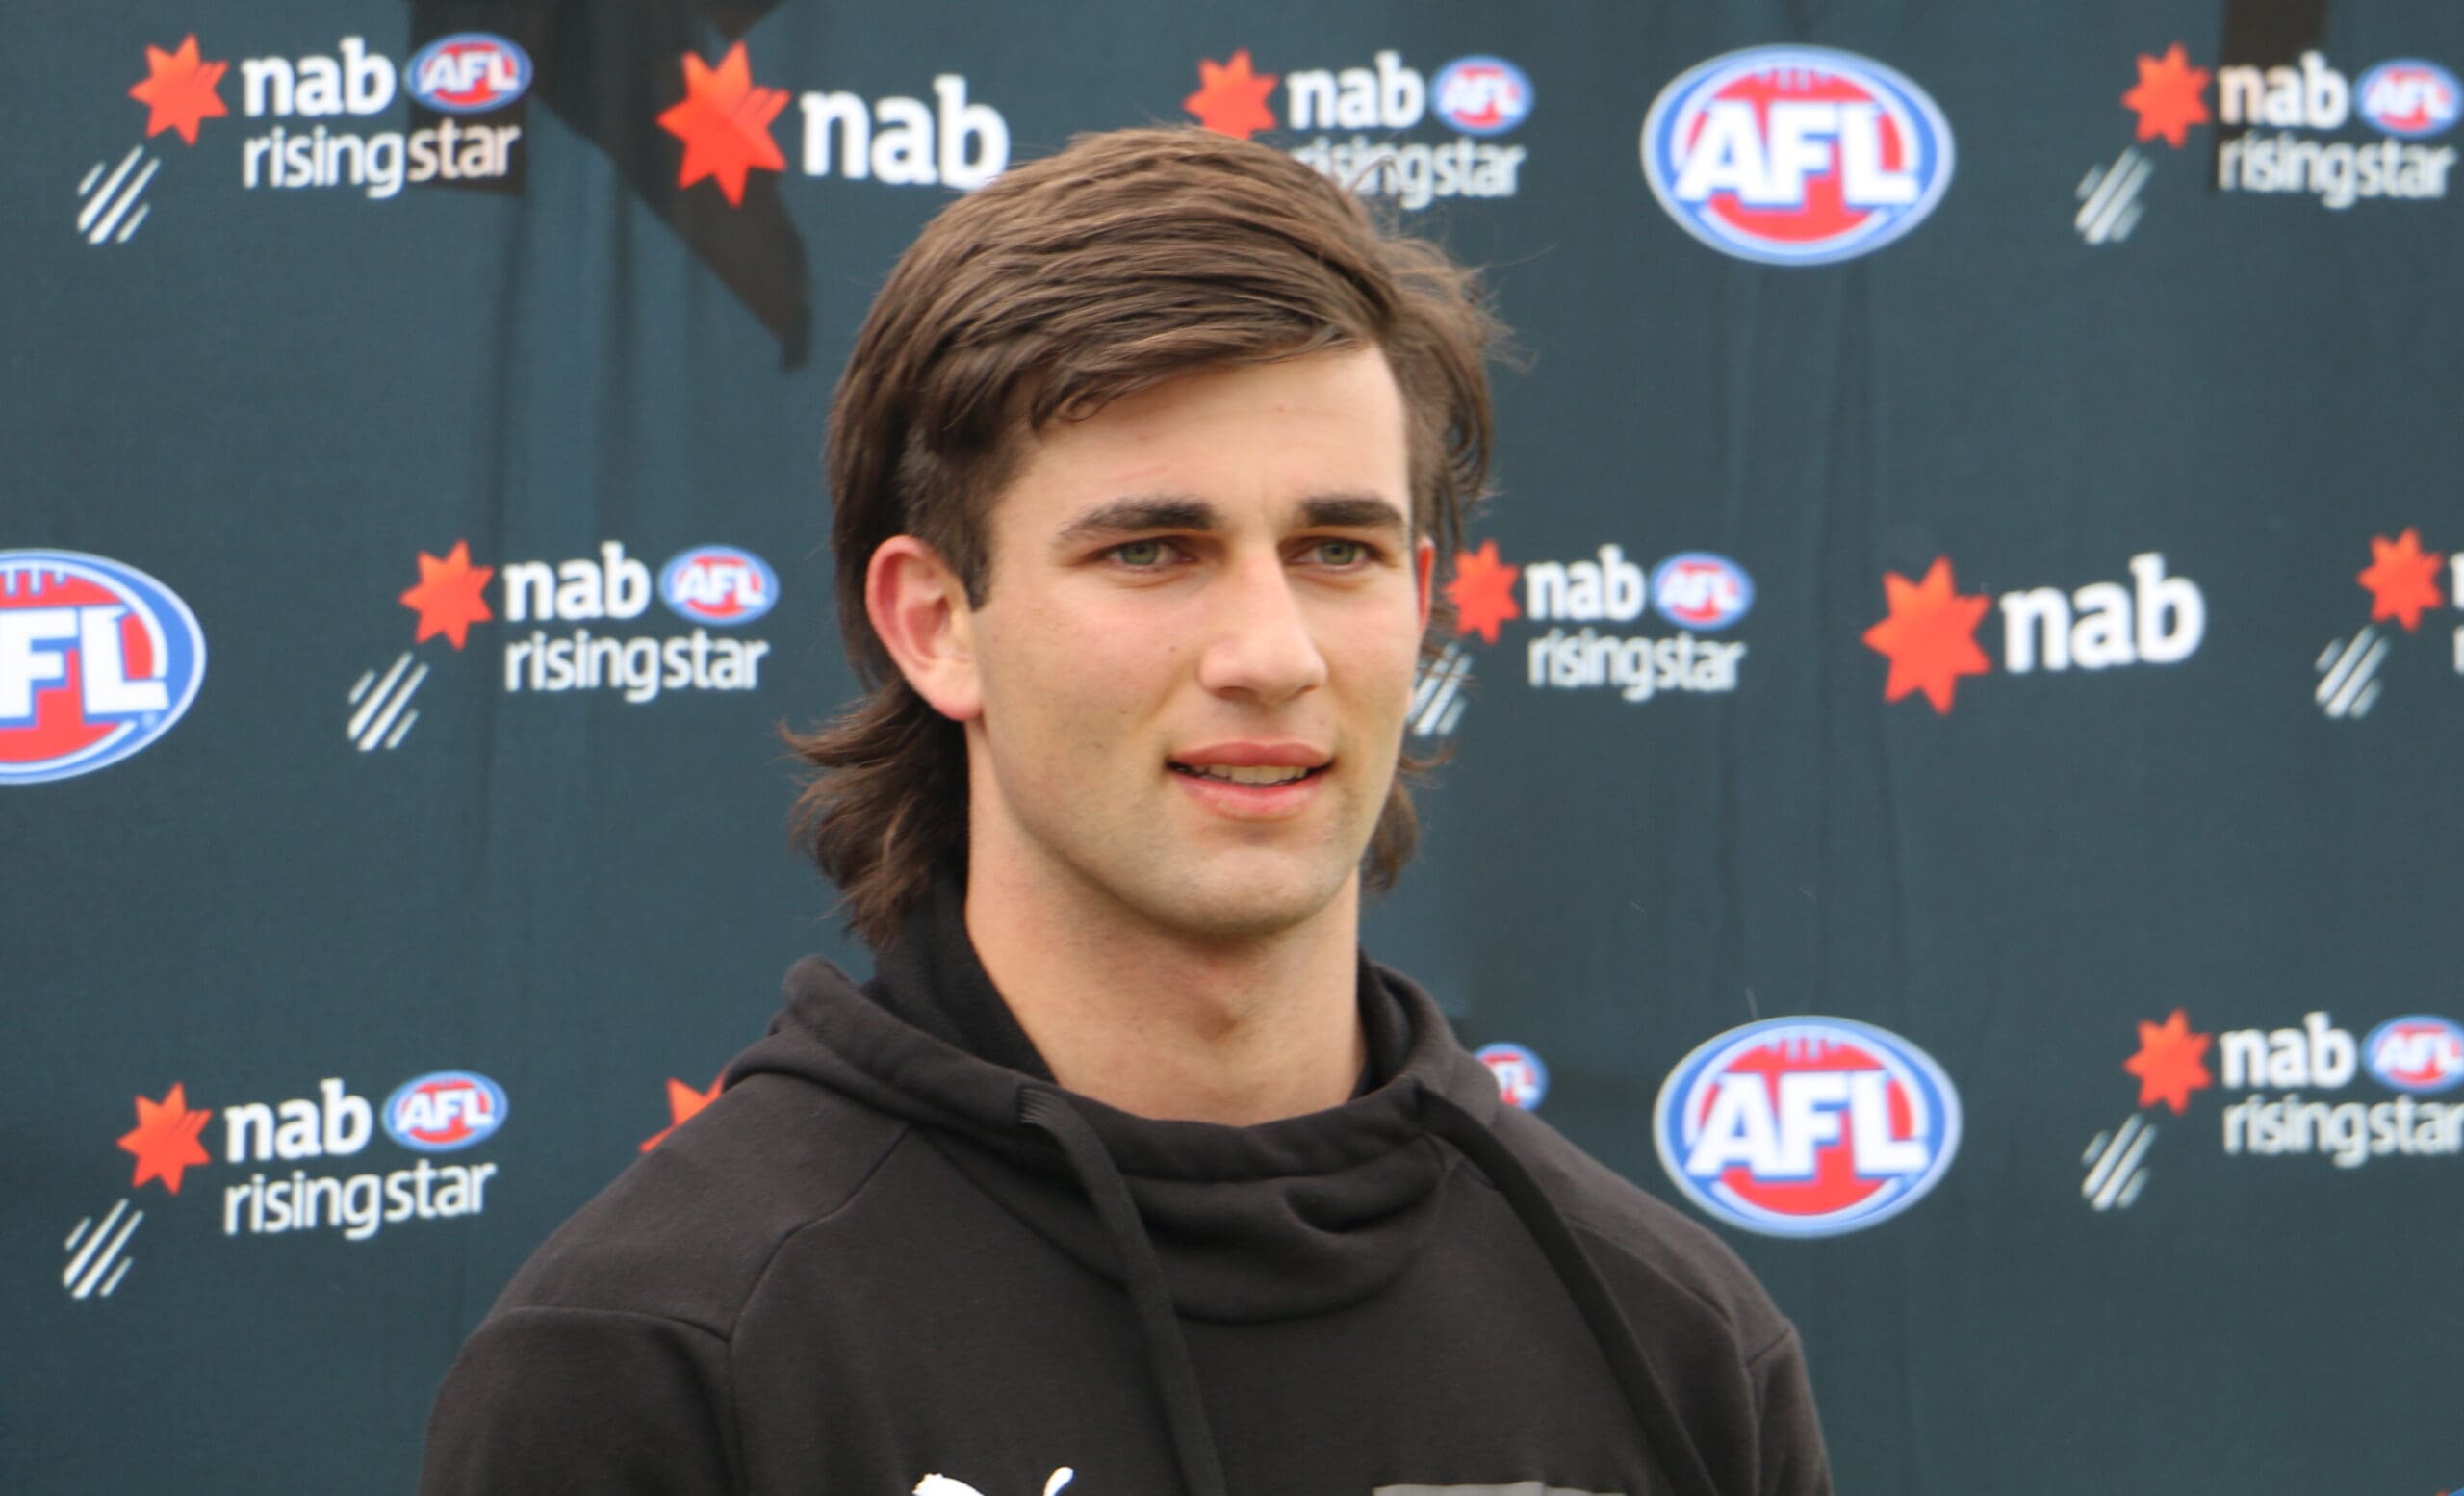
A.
pixel 1287 1219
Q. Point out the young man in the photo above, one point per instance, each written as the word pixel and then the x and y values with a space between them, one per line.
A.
pixel 1127 1173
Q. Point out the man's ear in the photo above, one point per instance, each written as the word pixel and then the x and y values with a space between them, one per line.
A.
pixel 918 606
pixel 1424 573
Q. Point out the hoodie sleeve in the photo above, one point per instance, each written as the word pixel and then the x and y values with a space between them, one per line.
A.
pixel 546 1400
pixel 1791 1458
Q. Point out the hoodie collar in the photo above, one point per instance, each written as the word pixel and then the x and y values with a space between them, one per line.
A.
pixel 1285 1218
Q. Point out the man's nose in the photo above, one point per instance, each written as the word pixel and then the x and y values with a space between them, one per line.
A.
pixel 1260 645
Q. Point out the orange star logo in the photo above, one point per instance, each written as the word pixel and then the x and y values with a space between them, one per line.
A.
pixel 2402 578
pixel 447 597
pixel 1231 99
pixel 2168 97
pixel 2170 1063
pixel 180 90
pixel 164 1138
pixel 1482 592
pixel 1929 636
pixel 683 1104
pixel 725 124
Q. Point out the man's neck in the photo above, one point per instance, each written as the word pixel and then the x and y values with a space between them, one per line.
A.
pixel 1159 1025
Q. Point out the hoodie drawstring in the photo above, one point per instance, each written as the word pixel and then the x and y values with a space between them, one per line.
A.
pixel 1654 1408
pixel 1167 1354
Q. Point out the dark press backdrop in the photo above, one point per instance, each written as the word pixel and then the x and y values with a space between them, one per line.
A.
pixel 1974 567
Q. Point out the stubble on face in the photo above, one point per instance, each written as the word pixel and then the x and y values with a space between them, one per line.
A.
pixel 1214 578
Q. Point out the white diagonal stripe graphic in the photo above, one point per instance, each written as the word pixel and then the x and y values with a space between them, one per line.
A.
pixel 2094 188
pixel 2127 197
pixel 2343 664
pixel 1439 706
pixel 1431 674
pixel 2109 197
pixel 127 199
pixel 367 676
pixel 2359 678
pixel 126 229
pixel 385 719
pixel 86 220
pixel 85 1285
pixel 118 1273
pixel 78 1264
pixel 375 723
pixel 2128 1170
pixel 371 707
pixel 71 1244
pixel 2103 1171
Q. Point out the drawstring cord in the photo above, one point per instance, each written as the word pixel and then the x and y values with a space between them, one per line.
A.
pixel 1653 1407
pixel 1168 1352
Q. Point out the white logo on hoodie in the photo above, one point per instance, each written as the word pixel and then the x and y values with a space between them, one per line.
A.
pixel 943 1485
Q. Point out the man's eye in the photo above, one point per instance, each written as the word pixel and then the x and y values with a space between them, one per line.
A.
pixel 1141 553
pixel 1341 554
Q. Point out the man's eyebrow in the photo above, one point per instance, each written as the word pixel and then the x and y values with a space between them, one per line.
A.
pixel 1129 516
pixel 1196 516
pixel 1353 511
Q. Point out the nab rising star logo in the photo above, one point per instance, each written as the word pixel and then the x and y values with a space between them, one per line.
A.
pixel 718 585
pixel 98 660
pixel 469 73
pixel 1792 155
pixel 1807 1126
pixel 444 1112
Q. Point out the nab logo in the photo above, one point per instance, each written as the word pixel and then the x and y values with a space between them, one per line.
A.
pixel 1695 589
pixel 469 73
pixel 2419 1053
pixel 718 585
pixel 445 1111
pixel 98 660
pixel 1523 1081
pixel 1807 1126
pixel 2411 99
pixel 1483 95
pixel 1794 155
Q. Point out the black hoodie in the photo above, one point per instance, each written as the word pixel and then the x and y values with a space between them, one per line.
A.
pixel 881 1263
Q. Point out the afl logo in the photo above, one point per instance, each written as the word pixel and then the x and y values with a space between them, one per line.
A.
pixel 1794 155
pixel 1807 1126
pixel 469 73
pixel 1483 95
pixel 98 660
pixel 445 1111
pixel 718 585
pixel 1522 1079
pixel 2418 1053
pixel 2411 99
pixel 1696 590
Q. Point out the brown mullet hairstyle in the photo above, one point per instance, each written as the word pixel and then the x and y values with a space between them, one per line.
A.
pixel 1125 260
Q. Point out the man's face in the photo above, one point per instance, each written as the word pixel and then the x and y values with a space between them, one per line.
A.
pixel 1196 649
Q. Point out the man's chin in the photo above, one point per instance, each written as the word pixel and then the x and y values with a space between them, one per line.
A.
pixel 1244 898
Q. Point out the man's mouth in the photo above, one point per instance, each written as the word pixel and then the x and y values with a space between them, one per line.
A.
pixel 1260 774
